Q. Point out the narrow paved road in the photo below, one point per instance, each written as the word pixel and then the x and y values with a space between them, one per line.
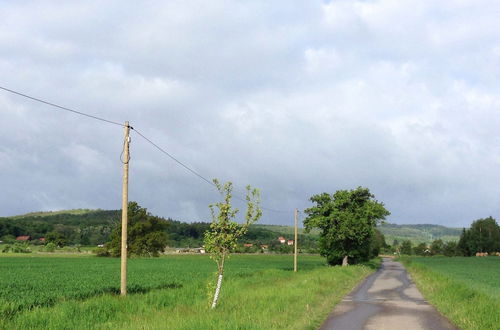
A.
pixel 386 300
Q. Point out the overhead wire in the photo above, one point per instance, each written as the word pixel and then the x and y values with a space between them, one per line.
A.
pixel 173 158
pixel 138 133
pixel 194 172
pixel 60 107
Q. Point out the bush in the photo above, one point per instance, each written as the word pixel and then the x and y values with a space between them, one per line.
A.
pixel 101 252
pixel 450 249
pixel 6 248
pixel 50 247
pixel 21 248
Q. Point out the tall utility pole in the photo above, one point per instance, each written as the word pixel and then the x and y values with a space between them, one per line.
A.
pixel 295 242
pixel 125 160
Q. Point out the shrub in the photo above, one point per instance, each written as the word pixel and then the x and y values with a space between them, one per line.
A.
pixel 101 252
pixel 21 248
pixel 50 247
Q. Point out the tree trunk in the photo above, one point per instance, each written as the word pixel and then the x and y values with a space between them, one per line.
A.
pixel 344 261
pixel 217 291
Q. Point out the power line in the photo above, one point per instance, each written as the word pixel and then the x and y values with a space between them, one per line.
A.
pixel 196 173
pixel 173 158
pixel 60 107
pixel 139 133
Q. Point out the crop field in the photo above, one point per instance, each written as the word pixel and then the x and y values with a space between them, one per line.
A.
pixel 465 289
pixel 259 291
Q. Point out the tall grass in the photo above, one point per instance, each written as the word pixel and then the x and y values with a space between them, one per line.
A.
pixel 259 292
pixel 466 290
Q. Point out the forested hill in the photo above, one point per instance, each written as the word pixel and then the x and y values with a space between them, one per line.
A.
pixel 93 227
pixel 85 227
pixel 418 233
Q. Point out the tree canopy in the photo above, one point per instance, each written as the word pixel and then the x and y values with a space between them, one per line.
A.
pixel 146 233
pixel 483 236
pixel 347 220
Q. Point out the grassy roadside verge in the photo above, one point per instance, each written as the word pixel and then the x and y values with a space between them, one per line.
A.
pixel 466 306
pixel 268 298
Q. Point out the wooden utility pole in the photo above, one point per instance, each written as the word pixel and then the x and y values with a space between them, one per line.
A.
pixel 125 160
pixel 295 242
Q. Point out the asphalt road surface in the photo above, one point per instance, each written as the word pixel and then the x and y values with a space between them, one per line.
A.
pixel 386 300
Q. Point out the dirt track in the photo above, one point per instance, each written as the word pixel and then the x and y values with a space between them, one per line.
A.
pixel 386 300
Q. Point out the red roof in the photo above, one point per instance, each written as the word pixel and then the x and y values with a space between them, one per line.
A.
pixel 23 238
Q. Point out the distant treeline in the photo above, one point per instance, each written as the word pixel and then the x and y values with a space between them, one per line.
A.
pixel 92 228
pixel 483 236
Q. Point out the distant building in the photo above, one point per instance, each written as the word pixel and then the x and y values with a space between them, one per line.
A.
pixel 282 240
pixel 248 245
pixel 42 239
pixel 23 238
pixel 264 246
pixel 191 250
pixel 290 242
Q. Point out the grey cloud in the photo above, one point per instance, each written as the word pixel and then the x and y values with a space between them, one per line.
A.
pixel 296 100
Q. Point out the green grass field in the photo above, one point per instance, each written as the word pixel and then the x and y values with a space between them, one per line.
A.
pixel 259 292
pixel 466 290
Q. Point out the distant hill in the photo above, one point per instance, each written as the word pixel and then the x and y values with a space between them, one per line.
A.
pixel 419 233
pixel 425 233
pixel 50 213
pixel 91 227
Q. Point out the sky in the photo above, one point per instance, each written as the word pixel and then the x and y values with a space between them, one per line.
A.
pixel 294 98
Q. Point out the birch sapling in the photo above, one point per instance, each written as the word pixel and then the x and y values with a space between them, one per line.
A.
pixel 222 237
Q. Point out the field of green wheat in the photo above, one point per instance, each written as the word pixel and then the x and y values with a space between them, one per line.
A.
pixel 171 292
pixel 465 289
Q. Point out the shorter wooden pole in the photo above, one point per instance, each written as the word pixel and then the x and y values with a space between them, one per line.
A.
pixel 295 242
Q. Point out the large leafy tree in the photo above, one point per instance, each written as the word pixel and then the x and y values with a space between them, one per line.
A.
pixel 221 239
pixel 146 234
pixel 347 220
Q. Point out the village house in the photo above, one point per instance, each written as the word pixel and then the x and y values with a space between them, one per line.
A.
pixel 248 245
pixel 282 240
pixel 290 242
pixel 23 238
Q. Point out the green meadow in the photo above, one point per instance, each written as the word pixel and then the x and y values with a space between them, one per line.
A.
pixel 465 289
pixel 171 292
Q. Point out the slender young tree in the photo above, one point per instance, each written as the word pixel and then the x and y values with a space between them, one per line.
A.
pixel 221 238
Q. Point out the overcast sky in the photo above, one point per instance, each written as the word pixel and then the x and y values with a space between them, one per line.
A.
pixel 293 97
